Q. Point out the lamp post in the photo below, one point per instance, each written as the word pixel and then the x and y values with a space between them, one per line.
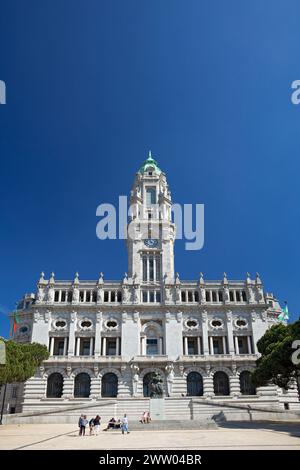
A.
pixel 3 403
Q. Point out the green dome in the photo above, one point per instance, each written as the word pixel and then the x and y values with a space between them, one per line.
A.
pixel 150 164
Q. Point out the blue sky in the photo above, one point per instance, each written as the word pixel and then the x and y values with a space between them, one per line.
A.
pixel 92 86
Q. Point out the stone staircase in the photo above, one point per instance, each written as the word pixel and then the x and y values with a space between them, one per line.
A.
pixel 176 412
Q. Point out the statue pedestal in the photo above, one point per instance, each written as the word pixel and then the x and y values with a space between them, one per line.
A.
pixel 157 409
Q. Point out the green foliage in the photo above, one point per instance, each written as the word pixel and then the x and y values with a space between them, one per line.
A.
pixel 275 364
pixel 22 359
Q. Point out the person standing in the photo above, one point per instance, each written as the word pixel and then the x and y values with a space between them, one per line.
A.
pixel 124 425
pixel 92 426
pixel 82 424
pixel 97 422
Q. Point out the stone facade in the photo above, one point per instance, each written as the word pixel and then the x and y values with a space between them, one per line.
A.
pixel 106 338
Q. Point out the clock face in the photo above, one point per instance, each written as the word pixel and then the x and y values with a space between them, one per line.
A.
pixel 151 242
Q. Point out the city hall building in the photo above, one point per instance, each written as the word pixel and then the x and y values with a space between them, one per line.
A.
pixel 107 338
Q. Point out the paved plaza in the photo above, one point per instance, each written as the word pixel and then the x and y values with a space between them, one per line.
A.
pixel 230 436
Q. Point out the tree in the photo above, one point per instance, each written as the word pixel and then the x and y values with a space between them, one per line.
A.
pixel 276 364
pixel 22 359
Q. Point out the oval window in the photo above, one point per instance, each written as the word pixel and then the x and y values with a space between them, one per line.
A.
pixel 111 324
pixel 86 324
pixel 60 324
pixel 191 323
pixel 241 323
pixel 23 329
pixel 216 323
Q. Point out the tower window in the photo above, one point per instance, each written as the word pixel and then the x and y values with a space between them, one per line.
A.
pixel 150 196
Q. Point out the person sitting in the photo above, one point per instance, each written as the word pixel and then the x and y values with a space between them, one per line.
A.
pixel 147 417
pixel 117 424
pixel 111 424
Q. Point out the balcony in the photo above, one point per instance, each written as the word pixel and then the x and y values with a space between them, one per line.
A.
pixel 218 358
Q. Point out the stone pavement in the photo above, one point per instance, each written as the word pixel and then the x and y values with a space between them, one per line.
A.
pixel 229 436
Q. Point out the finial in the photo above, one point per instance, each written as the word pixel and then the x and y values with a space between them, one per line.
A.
pixel 258 280
pixel 248 277
pixel 42 276
pixel 52 277
pixel 76 279
pixel 100 281
pixel 149 154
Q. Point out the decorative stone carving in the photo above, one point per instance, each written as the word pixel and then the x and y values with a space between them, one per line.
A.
pixel 202 295
pixel 36 316
pixel 179 317
pixel 170 378
pixel 135 379
pixel 229 316
pixel 40 294
pixel 136 293
pixel 136 316
pixel 125 294
pixel 75 295
pixel 50 295
pixel 100 294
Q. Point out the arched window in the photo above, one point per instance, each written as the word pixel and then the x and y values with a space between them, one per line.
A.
pixel 221 383
pixel 109 385
pixel 194 384
pixel 153 340
pixel 55 383
pixel 247 388
pixel 82 385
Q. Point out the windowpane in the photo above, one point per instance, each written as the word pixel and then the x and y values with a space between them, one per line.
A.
pixel 144 268
pixel 150 196
pixel 151 273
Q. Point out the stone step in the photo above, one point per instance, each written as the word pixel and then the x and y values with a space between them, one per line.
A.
pixel 173 424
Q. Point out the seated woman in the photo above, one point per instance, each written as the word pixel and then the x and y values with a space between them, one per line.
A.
pixel 147 417
pixel 111 424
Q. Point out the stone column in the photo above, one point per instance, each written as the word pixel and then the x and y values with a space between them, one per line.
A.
pixel 205 333
pixel 234 383
pixel 237 351
pixel 72 327
pixel 224 344
pixel 230 332
pixel 91 345
pixel 51 345
pixel 78 346
pixel 186 349
pixel 199 345
pixel 117 346
pixel 95 384
pixel 65 345
pixel 68 387
pixel 249 344
pixel 208 384
pixel 104 346
pixel 211 345
pixel 98 328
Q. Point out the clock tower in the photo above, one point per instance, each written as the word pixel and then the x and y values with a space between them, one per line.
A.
pixel 150 231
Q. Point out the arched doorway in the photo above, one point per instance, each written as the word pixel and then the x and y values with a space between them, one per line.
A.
pixel 55 383
pixel 82 385
pixel 146 381
pixel 194 384
pixel 221 383
pixel 109 385
pixel 247 388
